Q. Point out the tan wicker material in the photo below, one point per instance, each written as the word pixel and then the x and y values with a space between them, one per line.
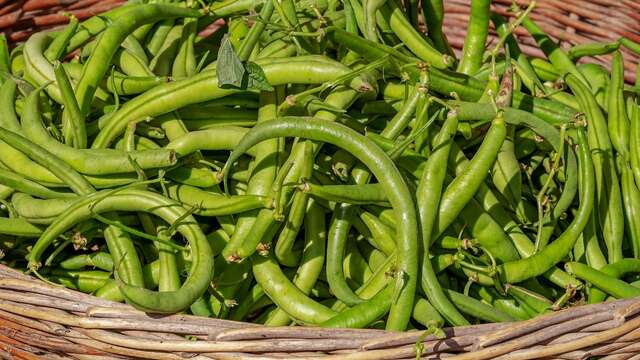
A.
pixel 42 321
pixel 568 21
pixel 38 320
pixel 20 18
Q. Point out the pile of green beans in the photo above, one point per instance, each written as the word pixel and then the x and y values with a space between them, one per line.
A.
pixel 319 162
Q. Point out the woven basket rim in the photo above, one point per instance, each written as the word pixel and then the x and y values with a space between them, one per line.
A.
pixel 39 319
pixel 62 317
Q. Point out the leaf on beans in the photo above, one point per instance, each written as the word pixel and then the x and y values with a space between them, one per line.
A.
pixel 234 74
pixel 256 79
pixel 229 69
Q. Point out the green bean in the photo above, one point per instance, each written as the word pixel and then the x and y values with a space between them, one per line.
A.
pixel 86 281
pixel 604 282
pixel 120 245
pixel 185 63
pixel 297 213
pixel 352 194
pixel 17 61
pixel 505 173
pixel 20 163
pixel 476 308
pixel 100 162
pixel 30 187
pixel 170 211
pixel 5 59
pixel 40 211
pixel 411 38
pixel 524 66
pixel 425 314
pixel 250 41
pixel 536 303
pixel 161 30
pixel 204 86
pixel 100 260
pixel 95 25
pixel 382 235
pixel 488 232
pixel 610 213
pixel 266 219
pixel 113 235
pixel 520 270
pixel 40 72
pixel 74 127
pixel 599 80
pixel 634 145
pixel 556 55
pixel 428 199
pixel 285 294
pixel 363 314
pixel 446 82
pixel 378 162
pixel 336 245
pixel 433 12
pixel 226 138
pixel 118 82
pixel 463 187
pixel 517 118
pixel 491 89
pixel 162 62
pixel 261 181
pixel 630 44
pixel 474 43
pixel 631 203
pixel 313 255
pixel 209 203
pixel 616 270
pixel 370 8
pixel 617 121
pixel 593 253
pixel 97 64
pixel 409 159
pixel 592 49
pixel 505 304
pixel 43 157
pixel 130 64
pixel 19 227
pixel 58 46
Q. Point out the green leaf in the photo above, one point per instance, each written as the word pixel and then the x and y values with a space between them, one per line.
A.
pixel 229 69
pixel 256 79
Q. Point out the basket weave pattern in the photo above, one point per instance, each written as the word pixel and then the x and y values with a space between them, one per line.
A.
pixel 570 22
pixel 21 18
pixel 38 320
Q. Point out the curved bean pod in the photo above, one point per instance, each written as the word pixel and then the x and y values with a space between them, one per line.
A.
pixel 93 162
pixel 523 269
pixel 200 273
pixel 381 166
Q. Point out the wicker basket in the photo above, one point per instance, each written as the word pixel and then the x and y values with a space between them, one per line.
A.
pixel 568 21
pixel 21 18
pixel 38 320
